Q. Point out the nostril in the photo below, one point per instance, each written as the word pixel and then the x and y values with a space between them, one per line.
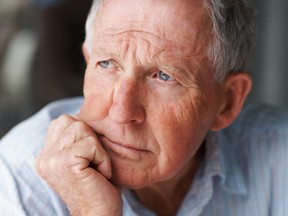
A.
pixel 127 102
pixel 124 110
pixel 121 114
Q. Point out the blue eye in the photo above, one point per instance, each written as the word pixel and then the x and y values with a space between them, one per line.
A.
pixel 108 64
pixel 165 77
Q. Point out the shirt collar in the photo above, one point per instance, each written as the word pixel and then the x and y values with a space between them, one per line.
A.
pixel 223 159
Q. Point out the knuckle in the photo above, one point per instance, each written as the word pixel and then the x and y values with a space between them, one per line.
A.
pixel 61 123
pixel 64 117
pixel 80 126
pixel 80 130
pixel 40 166
pixel 48 165
pixel 56 166
pixel 92 140
pixel 53 125
pixel 53 163
pixel 53 122
pixel 65 120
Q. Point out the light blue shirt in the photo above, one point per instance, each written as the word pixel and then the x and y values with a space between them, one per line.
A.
pixel 244 173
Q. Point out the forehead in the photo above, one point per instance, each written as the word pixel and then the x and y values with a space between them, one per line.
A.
pixel 177 22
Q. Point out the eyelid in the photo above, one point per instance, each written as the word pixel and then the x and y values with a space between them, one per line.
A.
pixel 160 75
pixel 110 61
pixel 167 78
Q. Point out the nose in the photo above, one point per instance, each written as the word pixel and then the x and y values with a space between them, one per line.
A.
pixel 127 105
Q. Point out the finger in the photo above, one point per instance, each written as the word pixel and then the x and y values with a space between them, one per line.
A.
pixel 89 151
pixel 57 127
pixel 76 159
pixel 77 116
pixel 73 133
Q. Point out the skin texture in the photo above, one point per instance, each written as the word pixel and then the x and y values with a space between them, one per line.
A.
pixel 150 99
pixel 137 109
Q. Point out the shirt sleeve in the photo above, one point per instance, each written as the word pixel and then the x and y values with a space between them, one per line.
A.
pixel 9 195
pixel 22 191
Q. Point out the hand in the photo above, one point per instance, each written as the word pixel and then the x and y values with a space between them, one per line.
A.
pixel 76 166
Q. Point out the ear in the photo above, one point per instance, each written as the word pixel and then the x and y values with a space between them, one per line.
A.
pixel 236 89
pixel 85 53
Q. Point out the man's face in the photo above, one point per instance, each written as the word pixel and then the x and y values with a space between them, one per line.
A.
pixel 149 91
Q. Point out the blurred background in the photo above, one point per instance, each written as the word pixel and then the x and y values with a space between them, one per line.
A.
pixel 40 55
pixel 41 60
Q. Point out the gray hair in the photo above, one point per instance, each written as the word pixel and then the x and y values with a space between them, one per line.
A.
pixel 234 35
pixel 233 30
pixel 90 23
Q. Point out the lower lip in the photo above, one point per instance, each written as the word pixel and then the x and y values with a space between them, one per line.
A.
pixel 123 151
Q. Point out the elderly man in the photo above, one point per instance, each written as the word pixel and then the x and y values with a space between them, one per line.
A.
pixel 159 130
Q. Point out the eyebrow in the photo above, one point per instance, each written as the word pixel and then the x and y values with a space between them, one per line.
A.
pixel 104 51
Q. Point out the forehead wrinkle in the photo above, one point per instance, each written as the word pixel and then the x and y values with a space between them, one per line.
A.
pixel 135 33
pixel 122 40
pixel 186 16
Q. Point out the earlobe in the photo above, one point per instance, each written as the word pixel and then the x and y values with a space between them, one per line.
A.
pixel 236 89
pixel 85 53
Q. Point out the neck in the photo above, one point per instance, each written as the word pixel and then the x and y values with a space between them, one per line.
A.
pixel 170 193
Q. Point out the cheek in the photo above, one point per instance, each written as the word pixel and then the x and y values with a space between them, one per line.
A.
pixel 180 128
pixel 175 128
pixel 174 120
pixel 98 92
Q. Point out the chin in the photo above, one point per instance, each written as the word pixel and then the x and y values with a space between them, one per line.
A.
pixel 129 175
pixel 134 177
pixel 126 183
pixel 129 180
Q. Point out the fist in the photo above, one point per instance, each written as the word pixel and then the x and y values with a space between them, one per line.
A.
pixel 74 163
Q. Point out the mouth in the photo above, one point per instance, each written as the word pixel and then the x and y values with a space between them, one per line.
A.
pixel 121 149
